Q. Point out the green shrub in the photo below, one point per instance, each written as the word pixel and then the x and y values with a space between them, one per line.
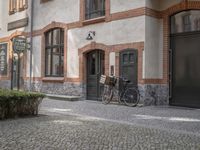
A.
pixel 18 103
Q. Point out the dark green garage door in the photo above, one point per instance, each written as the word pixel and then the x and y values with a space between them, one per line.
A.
pixel 186 70
pixel 185 59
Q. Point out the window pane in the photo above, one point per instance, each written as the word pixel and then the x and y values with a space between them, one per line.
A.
pixel 48 62
pixel 185 21
pixel 62 36
pixel 125 58
pixel 92 64
pixel 48 38
pixel 55 61
pixel 94 8
pixel 131 58
pixel 62 62
pixel 56 37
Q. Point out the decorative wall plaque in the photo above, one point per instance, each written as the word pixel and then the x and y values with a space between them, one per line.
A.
pixel 3 59
pixel 19 44
pixel 18 24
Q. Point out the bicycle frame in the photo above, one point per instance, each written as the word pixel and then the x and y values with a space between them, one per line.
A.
pixel 117 90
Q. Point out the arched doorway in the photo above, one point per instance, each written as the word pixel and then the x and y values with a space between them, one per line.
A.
pixel 185 59
pixel 95 68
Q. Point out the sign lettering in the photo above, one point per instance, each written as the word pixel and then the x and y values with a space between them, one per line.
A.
pixel 3 59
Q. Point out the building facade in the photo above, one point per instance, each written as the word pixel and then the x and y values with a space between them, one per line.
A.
pixel 150 42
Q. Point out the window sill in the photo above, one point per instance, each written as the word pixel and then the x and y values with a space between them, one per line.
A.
pixel 95 20
pixel 11 12
pixel 53 79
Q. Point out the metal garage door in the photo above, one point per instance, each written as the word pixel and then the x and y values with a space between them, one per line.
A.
pixel 185 59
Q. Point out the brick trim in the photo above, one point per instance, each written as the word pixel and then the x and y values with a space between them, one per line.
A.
pixel 107 49
pixel 53 25
pixel 185 5
pixel 82 58
pixel 108 18
pixel 95 20
pixel 139 46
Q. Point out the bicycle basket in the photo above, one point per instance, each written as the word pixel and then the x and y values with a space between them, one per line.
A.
pixel 104 79
pixel 107 80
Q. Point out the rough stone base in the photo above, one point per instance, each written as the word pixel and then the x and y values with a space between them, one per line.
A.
pixel 66 88
pixel 154 94
pixel 150 94
pixel 5 84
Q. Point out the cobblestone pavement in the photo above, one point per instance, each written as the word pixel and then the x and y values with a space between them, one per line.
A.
pixel 64 125
pixel 162 117
pixel 59 132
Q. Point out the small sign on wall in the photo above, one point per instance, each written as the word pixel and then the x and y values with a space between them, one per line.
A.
pixel 19 44
pixel 3 59
pixel 18 24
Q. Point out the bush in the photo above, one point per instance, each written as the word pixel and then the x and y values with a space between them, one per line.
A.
pixel 18 103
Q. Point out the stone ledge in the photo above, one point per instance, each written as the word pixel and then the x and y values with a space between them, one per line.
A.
pixel 63 97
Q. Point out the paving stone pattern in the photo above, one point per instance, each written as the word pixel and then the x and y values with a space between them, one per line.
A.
pixel 86 125
pixel 60 132
pixel 163 117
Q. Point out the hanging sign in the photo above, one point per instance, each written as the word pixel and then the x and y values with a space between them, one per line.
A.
pixel 19 44
pixel 3 59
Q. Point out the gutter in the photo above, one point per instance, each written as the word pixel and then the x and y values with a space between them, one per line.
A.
pixel 31 43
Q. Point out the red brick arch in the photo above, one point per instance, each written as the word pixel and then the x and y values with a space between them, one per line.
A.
pixel 107 49
pixel 185 5
pixel 42 32
pixel 82 58
pixel 53 25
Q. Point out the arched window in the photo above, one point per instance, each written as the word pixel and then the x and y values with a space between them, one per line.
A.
pixel 185 21
pixel 54 53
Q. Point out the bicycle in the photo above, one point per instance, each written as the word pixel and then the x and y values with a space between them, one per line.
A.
pixel 130 96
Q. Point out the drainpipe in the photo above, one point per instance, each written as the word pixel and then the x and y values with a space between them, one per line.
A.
pixel 31 42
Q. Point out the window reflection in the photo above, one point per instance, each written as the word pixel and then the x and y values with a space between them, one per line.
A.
pixel 185 21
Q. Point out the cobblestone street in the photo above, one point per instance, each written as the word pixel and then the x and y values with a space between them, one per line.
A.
pixel 56 128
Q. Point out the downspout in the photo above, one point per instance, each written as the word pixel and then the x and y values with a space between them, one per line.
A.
pixel 31 42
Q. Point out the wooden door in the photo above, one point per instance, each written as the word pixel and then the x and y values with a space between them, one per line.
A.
pixel 95 68
pixel 128 66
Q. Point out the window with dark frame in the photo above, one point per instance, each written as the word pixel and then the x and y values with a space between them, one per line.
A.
pixel 94 8
pixel 54 53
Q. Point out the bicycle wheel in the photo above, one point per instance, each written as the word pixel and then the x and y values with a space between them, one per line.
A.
pixel 131 97
pixel 107 94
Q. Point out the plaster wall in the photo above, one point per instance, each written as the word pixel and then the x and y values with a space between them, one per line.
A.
pixel 153 64
pixel 124 5
pixel 36 58
pixel 66 11
pixel 112 62
pixel 116 32
pixel 6 18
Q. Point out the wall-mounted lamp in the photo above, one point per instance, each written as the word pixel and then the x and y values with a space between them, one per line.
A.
pixel 91 35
